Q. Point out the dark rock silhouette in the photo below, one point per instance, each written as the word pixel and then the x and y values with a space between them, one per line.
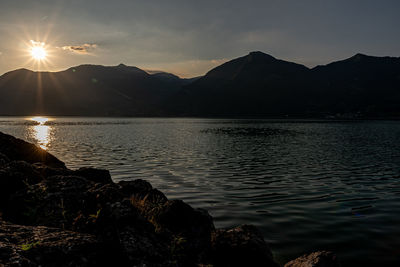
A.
pixel 16 149
pixel 53 216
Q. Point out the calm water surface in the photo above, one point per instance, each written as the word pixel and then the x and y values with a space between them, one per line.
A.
pixel 307 185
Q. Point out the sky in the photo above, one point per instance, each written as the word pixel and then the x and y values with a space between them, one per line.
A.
pixel 189 37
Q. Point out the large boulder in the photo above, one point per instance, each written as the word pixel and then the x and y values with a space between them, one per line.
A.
pixel 15 176
pixel 17 149
pixel 241 246
pixel 58 200
pixel 137 240
pixel 315 259
pixel 55 202
pixel 188 230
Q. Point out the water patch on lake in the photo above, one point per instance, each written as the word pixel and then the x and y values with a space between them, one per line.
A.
pixel 307 184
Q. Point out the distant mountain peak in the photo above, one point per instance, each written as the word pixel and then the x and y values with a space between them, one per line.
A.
pixel 260 55
pixel 124 68
pixel 366 58
pixel 257 53
pixel 358 57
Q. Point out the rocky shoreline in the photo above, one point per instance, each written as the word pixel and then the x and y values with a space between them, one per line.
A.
pixel 53 216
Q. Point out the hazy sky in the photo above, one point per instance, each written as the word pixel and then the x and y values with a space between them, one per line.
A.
pixel 190 37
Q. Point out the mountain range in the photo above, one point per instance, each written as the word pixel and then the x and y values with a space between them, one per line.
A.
pixel 255 85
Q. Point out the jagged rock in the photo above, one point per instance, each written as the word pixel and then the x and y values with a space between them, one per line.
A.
pixel 191 230
pixel 55 202
pixel 315 259
pixel 17 149
pixel 188 230
pixel 241 246
pixel 43 246
pixel 137 237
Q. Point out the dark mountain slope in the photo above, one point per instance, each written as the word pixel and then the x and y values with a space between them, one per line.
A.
pixel 260 85
pixel 360 84
pixel 86 90
pixel 253 85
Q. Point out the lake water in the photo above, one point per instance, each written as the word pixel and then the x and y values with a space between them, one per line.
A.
pixel 308 185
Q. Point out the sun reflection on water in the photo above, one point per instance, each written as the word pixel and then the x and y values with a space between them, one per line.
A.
pixel 40 120
pixel 41 132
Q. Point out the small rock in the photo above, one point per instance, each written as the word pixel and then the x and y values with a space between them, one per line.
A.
pixel 17 149
pixel 315 259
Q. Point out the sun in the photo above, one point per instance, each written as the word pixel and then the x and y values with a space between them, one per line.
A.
pixel 38 53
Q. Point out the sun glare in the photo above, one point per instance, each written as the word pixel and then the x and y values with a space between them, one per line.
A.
pixel 38 52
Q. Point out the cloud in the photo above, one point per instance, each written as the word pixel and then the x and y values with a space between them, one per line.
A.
pixel 80 49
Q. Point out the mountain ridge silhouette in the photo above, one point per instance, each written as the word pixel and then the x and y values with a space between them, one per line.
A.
pixel 256 84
